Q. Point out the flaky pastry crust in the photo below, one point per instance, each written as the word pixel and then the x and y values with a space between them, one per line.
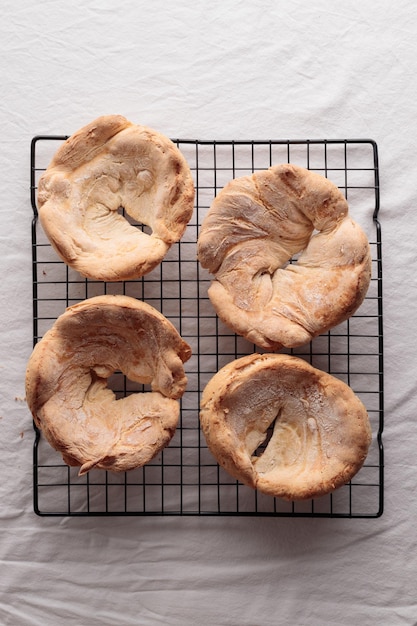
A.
pixel 255 225
pixel 320 429
pixel 107 165
pixel 66 383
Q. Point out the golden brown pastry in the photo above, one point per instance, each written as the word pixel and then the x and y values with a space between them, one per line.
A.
pixel 106 165
pixel 255 225
pixel 66 383
pixel 321 431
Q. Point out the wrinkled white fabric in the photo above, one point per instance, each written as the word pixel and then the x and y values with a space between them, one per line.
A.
pixel 233 70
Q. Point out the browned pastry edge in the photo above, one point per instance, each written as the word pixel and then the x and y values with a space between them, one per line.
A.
pixel 321 430
pixel 67 374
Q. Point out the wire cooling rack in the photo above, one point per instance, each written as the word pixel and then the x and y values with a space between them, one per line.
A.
pixel 185 479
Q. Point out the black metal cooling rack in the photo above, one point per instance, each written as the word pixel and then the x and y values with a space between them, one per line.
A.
pixel 185 479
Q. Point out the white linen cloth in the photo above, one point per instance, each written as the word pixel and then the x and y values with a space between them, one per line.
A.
pixel 233 70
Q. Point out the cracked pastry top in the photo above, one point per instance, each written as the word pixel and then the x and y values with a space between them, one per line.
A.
pixel 283 427
pixel 68 371
pixel 109 165
pixel 255 226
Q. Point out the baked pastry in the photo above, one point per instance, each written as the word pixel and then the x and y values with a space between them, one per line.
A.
pixel 320 429
pixel 66 383
pixel 255 225
pixel 107 165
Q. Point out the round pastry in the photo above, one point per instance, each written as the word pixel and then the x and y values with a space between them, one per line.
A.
pixel 66 383
pixel 255 225
pixel 108 165
pixel 319 430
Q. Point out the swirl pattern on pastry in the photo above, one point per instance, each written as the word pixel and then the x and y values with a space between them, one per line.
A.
pixel 68 371
pixel 254 227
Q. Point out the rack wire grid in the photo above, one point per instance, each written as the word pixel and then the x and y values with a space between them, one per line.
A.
pixel 184 479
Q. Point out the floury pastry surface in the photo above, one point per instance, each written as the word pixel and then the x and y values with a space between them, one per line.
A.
pixel 320 429
pixel 66 383
pixel 107 165
pixel 255 225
